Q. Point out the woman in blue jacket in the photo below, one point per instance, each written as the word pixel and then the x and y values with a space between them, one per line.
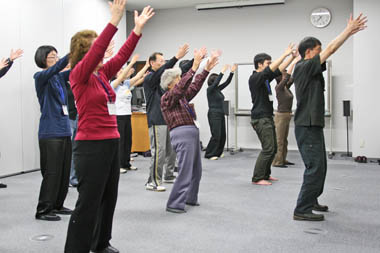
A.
pixel 54 133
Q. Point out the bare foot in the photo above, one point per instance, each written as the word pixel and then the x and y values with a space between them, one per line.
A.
pixel 272 179
pixel 262 182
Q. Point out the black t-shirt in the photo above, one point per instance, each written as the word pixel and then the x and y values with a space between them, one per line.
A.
pixel 259 85
pixel 310 87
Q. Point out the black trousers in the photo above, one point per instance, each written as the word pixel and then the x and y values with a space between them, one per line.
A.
pixel 311 144
pixel 55 162
pixel 217 141
pixel 125 130
pixel 98 170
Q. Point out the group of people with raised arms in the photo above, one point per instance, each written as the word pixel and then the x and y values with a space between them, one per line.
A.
pixel 103 133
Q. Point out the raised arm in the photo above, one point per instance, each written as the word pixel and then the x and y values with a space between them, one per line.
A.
pixel 276 64
pixel 125 73
pixel 44 75
pixel 155 77
pixel 139 77
pixel 217 80
pixel 353 26
pixel 199 79
pixel 116 62
pixel 229 79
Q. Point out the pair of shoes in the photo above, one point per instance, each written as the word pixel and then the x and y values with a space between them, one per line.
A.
pixel 123 170
pixel 109 249
pixel 169 179
pixel 289 163
pixel 361 159
pixel 214 158
pixel 132 168
pixel 320 208
pixel 308 217
pixel 262 182
pixel 175 210
pixel 280 165
pixel 3 185
pixel 63 210
pixel 156 188
pixel 48 217
pixel 192 204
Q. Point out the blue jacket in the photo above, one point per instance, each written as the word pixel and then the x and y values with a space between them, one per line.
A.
pixel 51 93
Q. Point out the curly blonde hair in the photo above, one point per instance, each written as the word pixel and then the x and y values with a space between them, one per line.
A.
pixel 80 44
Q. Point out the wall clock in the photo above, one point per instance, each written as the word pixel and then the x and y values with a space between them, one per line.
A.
pixel 320 17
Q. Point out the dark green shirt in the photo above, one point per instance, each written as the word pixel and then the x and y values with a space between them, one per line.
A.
pixel 261 93
pixel 310 88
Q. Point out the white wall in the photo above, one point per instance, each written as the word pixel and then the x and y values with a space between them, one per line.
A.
pixel 242 33
pixel 29 24
pixel 366 125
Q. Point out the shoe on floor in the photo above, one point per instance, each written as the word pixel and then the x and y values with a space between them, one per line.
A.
pixel 3 185
pixel 132 168
pixel 214 158
pixel 192 204
pixel 123 170
pixel 175 210
pixel 48 217
pixel 169 179
pixel 109 249
pixel 280 165
pixel 308 217
pixel 63 211
pixel 156 188
pixel 222 155
pixel 320 208
pixel 289 163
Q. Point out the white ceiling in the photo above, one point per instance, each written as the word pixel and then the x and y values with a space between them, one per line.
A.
pixel 168 4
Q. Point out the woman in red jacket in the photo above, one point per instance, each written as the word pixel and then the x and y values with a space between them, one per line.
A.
pixel 96 153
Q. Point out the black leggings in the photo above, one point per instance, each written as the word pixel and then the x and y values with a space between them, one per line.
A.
pixel 125 130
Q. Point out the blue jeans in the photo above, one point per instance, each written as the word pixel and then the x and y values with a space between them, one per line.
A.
pixel 73 177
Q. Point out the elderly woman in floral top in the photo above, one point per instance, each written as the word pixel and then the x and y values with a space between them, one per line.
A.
pixel 184 134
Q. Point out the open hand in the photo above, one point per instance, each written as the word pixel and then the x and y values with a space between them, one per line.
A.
pixel 16 54
pixel 109 51
pixel 117 8
pixel 233 67
pixel 290 49
pixel 135 58
pixel 225 67
pixel 182 51
pixel 140 20
pixel 3 63
pixel 212 62
pixel 358 24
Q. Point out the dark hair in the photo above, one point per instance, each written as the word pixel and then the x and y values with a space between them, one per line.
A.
pixel 308 43
pixel 260 58
pixel 211 79
pixel 41 55
pixel 185 66
pixel 153 57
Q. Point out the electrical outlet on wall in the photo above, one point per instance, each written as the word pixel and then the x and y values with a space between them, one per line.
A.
pixel 362 143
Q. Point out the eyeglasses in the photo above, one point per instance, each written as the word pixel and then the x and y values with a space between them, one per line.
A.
pixel 53 57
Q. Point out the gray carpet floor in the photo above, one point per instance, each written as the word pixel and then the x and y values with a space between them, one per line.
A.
pixel 234 216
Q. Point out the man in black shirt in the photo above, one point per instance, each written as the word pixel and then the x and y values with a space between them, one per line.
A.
pixel 262 111
pixel 309 117
pixel 160 146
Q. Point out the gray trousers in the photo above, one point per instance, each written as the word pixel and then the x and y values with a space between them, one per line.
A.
pixel 162 154
pixel 185 140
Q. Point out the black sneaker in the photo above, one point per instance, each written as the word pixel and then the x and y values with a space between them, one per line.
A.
pixel 3 185
pixel 63 211
pixel 169 179
pixel 48 217
pixel 308 217
pixel 320 208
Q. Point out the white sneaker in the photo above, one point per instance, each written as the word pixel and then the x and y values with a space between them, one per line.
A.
pixel 132 168
pixel 156 188
pixel 214 158
pixel 123 171
pixel 222 155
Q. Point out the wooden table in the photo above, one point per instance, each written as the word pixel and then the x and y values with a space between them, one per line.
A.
pixel 140 132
